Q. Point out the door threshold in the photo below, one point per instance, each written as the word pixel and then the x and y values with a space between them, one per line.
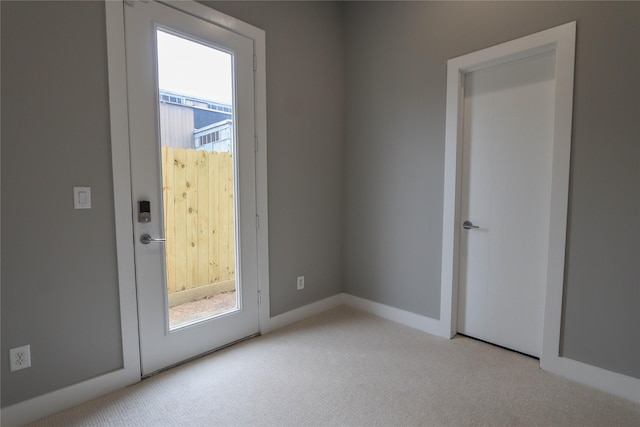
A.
pixel 201 355
pixel 499 346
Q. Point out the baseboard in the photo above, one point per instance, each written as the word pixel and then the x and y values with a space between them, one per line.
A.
pixel 416 321
pixel 407 318
pixel 295 315
pixel 403 317
pixel 611 382
pixel 41 406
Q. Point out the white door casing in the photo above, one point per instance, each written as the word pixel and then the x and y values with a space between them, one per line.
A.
pixel 560 41
pixel 505 192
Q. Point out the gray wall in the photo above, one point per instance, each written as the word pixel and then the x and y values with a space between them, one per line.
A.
pixel 396 56
pixel 305 131
pixel 59 283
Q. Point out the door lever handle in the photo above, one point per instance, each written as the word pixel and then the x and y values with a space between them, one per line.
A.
pixel 468 225
pixel 145 239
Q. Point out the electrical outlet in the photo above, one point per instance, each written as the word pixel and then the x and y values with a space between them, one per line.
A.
pixel 300 282
pixel 20 358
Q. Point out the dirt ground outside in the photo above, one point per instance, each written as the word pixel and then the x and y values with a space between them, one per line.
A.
pixel 202 309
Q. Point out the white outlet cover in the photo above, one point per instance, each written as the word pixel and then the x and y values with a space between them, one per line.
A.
pixel 16 362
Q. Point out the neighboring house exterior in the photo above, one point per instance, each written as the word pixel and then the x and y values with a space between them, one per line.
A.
pixel 189 122
pixel 214 137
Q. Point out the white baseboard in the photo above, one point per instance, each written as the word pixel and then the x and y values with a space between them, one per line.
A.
pixel 422 323
pixel 608 381
pixel 284 319
pixel 407 318
pixel 41 406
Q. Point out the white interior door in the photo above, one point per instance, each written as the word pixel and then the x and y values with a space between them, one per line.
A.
pixel 506 187
pixel 191 115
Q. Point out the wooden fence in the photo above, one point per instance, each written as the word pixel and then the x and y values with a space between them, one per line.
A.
pixel 199 217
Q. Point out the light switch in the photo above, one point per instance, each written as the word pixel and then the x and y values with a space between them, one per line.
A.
pixel 82 197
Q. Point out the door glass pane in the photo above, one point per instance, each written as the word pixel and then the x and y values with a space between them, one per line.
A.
pixel 196 137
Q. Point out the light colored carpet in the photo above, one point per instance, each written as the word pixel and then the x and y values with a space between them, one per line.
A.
pixel 346 367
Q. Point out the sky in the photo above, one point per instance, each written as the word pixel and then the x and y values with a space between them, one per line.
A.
pixel 190 68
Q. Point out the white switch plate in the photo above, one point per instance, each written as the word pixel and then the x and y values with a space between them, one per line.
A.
pixel 300 283
pixel 82 197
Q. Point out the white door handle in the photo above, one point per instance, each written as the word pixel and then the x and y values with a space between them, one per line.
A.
pixel 468 225
pixel 145 239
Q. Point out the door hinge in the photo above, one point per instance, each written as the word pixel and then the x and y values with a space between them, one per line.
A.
pixel 257 222
pixel 255 62
pixel 259 297
pixel 255 143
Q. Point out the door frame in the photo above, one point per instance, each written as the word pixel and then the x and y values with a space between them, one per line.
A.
pixel 130 372
pixel 120 143
pixel 560 40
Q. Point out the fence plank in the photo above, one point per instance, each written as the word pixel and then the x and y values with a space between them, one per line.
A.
pixel 192 218
pixel 232 217
pixel 224 219
pixel 231 221
pixel 203 218
pixel 214 215
pixel 180 230
pixel 168 196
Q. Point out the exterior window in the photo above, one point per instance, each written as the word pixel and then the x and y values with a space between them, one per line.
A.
pixel 208 138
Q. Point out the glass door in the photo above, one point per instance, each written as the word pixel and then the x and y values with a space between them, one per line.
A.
pixel 193 183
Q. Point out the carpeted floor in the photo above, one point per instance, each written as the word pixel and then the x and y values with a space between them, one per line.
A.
pixel 346 367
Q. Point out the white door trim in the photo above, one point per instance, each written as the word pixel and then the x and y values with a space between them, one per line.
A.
pixel 119 117
pixel 67 397
pixel 260 100
pixel 560 40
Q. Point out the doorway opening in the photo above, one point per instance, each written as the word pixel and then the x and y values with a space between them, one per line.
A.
pixel 561 42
